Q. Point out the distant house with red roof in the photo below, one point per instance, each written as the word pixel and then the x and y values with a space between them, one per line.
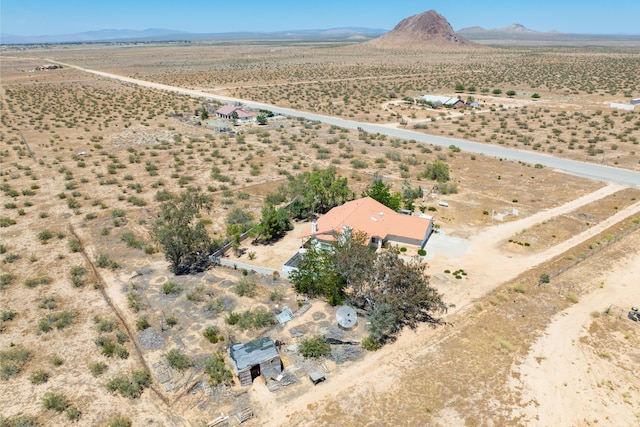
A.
pixel 381 224
pixel 226 112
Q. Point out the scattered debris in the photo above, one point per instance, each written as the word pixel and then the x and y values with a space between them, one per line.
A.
pixel 152 339
pixel 285 315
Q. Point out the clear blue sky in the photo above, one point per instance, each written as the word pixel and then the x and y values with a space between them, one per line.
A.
pixel 52 17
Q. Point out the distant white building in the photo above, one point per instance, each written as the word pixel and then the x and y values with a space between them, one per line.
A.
pixel 626 107
pixel 635 101
pixel 447 101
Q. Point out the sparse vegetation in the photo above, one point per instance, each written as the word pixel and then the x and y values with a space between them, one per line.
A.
pixel 314 347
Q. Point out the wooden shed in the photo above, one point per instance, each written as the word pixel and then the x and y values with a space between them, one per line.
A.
pixel 255 358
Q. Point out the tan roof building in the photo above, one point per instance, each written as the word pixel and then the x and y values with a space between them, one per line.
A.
pixel 378 221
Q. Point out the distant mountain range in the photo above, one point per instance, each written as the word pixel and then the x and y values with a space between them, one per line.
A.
pixel 515 29
pixel 428 28
pixel 158 34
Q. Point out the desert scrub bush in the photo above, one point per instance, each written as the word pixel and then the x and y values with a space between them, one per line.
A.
pixel 12 361
pixel 73 413
pixel 216 370
pixel 19 420
pixel 78 273
pixel 212 333
pixel 252 319
pixel 105 325
pixel 11 258
pixel 119 421
pixel 35 281
pixel 106 345
pixel 39 376
pixel 48 303
pixel 57 360
pixel 131 240
pixel 276 295
pixel 59 320
pixel 6 279
pixel 55 400
pixel 245 288
pixel 370 344
pixel 5 221
pixel 74 244
pixel 131 386
pixel 133 301
pixel 98 368
pixel 215 306
pixel 45 235
pixel 177 360
pixel 171 321
pixel 142 323
pixel 103 261
pixel 573 297
pixel 171 288
pixel 136 201
pixel 315 347
pixel 504 344
pixel 520 288
pixel 6 315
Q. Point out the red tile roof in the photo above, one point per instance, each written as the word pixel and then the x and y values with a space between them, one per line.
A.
pixel 371 217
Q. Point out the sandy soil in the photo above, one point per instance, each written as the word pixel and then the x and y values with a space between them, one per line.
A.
pixel 561 371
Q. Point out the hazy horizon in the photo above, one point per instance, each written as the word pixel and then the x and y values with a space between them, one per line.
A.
pixel 43 17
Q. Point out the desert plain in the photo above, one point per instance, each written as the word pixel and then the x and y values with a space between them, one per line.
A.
pixel 87 160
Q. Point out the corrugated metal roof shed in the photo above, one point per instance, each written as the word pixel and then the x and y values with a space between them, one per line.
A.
pixel 253 352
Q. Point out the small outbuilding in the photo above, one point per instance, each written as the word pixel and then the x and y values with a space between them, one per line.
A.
pixel 316 376
pixel 255 358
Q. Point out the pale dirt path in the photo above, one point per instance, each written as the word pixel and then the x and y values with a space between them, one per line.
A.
pixel 560 378
pixel 487 266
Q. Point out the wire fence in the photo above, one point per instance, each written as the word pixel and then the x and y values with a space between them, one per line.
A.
pixel 595 249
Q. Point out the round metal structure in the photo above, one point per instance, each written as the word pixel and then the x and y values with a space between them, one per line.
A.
pixel 346 317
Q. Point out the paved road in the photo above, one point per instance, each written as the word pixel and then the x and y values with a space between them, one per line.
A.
pixel 592 171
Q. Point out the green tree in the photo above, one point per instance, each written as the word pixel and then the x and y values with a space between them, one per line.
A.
pixel 181 235
pixel 261 119
pixel 273 225
pixel 511 93
pixel 204 114
pixel 497 91
pixel 394 293
pixel 238 221
pixel 234 118
pixel 459 87
pixel 316 192
pixel 535 96
pixel 381 192
pixel 437 171
pixel 317 275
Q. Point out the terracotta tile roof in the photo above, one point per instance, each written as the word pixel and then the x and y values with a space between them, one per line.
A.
pixel 371 217
pixel 227 110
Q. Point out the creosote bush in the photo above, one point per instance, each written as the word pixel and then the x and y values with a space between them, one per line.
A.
pixel 315 347
pixel 56 401
pixel 130 386
pixel 177 360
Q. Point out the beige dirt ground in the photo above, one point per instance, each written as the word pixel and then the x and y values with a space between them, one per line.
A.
pixel 513 353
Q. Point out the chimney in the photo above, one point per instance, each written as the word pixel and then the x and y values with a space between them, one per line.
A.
pixel 314 227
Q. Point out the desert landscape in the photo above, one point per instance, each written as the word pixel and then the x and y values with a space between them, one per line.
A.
pixel 97 329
